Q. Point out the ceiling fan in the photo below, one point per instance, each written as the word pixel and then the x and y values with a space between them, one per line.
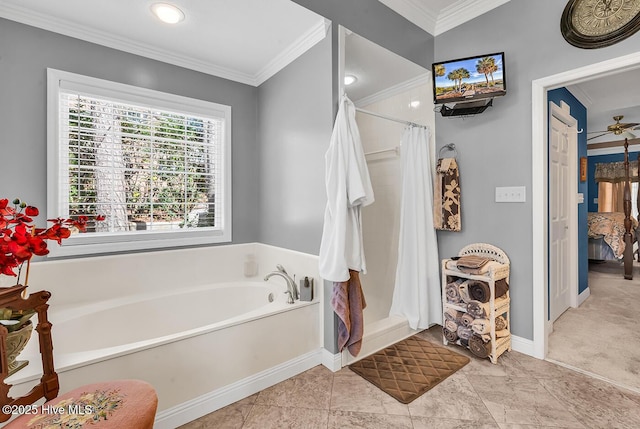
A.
pixel 617 128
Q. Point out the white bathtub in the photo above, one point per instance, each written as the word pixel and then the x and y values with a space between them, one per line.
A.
pixel 131 323
pixel 201 346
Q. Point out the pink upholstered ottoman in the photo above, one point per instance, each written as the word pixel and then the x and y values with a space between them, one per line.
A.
pixel 121 404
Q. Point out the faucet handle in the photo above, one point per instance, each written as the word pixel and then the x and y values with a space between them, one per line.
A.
pixel 289 298
pixel 281 269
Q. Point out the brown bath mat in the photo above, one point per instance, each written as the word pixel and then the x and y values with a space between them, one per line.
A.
pixel 409 368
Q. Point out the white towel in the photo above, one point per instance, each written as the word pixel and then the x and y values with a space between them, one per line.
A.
pixel 348 190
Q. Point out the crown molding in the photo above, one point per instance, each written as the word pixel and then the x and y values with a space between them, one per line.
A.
pixel 463 11
pixel 415 12
pixel 424 79
pixel 45 22
pixel 582 96
pixel 293 51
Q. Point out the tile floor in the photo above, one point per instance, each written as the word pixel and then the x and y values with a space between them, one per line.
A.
pixel 518 392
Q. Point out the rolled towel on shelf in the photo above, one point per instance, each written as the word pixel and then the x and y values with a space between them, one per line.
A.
pixel 501 323
pixel 501 287
pixel 479 291
pixel 464 333
pixel 450 336
pixel 502 333
pixel 477 309
pixel 466 320
pixel 453 294
pixel 481 326
pixel 451 325
pixel 479 347
pixel 453 314
pixel 463 290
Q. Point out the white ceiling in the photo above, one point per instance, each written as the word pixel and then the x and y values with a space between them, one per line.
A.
pixel 250 40
pixel 438 16
pixel 243 40
pixel 609 96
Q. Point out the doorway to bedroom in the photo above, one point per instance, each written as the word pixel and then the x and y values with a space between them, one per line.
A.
pixel 544 344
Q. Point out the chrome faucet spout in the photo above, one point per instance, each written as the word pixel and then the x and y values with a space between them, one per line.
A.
pixel 292 290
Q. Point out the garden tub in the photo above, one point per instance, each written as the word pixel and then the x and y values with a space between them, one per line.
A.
pixel 202 347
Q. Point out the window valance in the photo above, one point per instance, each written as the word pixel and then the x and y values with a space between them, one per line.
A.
pixel 614 171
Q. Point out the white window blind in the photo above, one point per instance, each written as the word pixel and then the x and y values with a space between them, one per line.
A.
pixel 155 166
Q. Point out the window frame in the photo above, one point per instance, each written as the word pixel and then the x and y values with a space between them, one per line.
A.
pixel 83 244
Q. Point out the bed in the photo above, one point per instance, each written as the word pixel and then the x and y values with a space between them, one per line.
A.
pixel 606 235
pixel 611 235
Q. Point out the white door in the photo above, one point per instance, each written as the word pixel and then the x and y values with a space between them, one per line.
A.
pixel 560 212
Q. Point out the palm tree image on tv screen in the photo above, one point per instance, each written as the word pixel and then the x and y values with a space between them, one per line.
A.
pixel 469 79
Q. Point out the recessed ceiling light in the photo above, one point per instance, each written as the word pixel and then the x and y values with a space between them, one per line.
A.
pixel 167 13
pixel 350 79
pixel 415 104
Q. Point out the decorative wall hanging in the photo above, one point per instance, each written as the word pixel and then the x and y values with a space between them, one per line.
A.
pixel 591 24
pixel 446 195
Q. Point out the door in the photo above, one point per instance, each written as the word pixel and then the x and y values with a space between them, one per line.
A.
pixel 562 183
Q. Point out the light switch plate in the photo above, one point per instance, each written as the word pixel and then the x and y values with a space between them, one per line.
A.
pixel 511 194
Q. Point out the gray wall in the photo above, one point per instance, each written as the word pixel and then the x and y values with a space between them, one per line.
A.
pixel 494 148
pixel 295 118
pixel 25 54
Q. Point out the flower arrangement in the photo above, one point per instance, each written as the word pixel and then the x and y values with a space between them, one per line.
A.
pixel 20 239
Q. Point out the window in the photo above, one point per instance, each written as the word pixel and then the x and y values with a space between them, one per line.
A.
pixel 611 197
pixel 156 165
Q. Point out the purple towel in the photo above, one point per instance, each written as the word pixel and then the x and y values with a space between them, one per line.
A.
pixel 348 302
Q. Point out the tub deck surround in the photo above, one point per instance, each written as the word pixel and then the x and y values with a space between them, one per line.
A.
pixel 201 332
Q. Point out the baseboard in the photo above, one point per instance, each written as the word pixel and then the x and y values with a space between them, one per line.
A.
pixel 212 401
pixel 333 362
pixel 522 345
pixel 583 296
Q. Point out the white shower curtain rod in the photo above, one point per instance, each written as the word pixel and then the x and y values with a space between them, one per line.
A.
pixel 379 115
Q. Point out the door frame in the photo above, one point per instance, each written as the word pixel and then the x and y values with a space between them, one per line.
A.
pixel 563 114
pixel 539 159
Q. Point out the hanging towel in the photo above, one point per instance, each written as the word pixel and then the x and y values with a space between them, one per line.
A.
pixel 348 189
pixel 348 302
pixel 446 198
pixel 417 294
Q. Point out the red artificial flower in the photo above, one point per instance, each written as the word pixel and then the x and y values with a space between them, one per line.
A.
pixel 20 240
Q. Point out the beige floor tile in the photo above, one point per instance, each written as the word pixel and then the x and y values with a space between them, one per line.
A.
pixel 595 403
pixel 353 420
pixel 311 389
pixel 431 423
pixel 273 417
pixel 454 398
pixel 353 393
pixel 229 417
pixel 522 400
pixel 517 426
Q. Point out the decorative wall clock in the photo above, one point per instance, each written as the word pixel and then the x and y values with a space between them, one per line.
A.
pixel 593 24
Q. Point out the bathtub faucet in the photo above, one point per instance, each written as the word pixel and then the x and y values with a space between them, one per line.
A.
pixel 292 290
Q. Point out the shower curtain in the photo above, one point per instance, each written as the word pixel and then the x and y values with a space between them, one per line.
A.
pixel 416 295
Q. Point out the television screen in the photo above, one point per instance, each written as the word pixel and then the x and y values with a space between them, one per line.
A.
pixel 468 79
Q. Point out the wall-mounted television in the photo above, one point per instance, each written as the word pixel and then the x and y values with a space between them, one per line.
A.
pixel 469 79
